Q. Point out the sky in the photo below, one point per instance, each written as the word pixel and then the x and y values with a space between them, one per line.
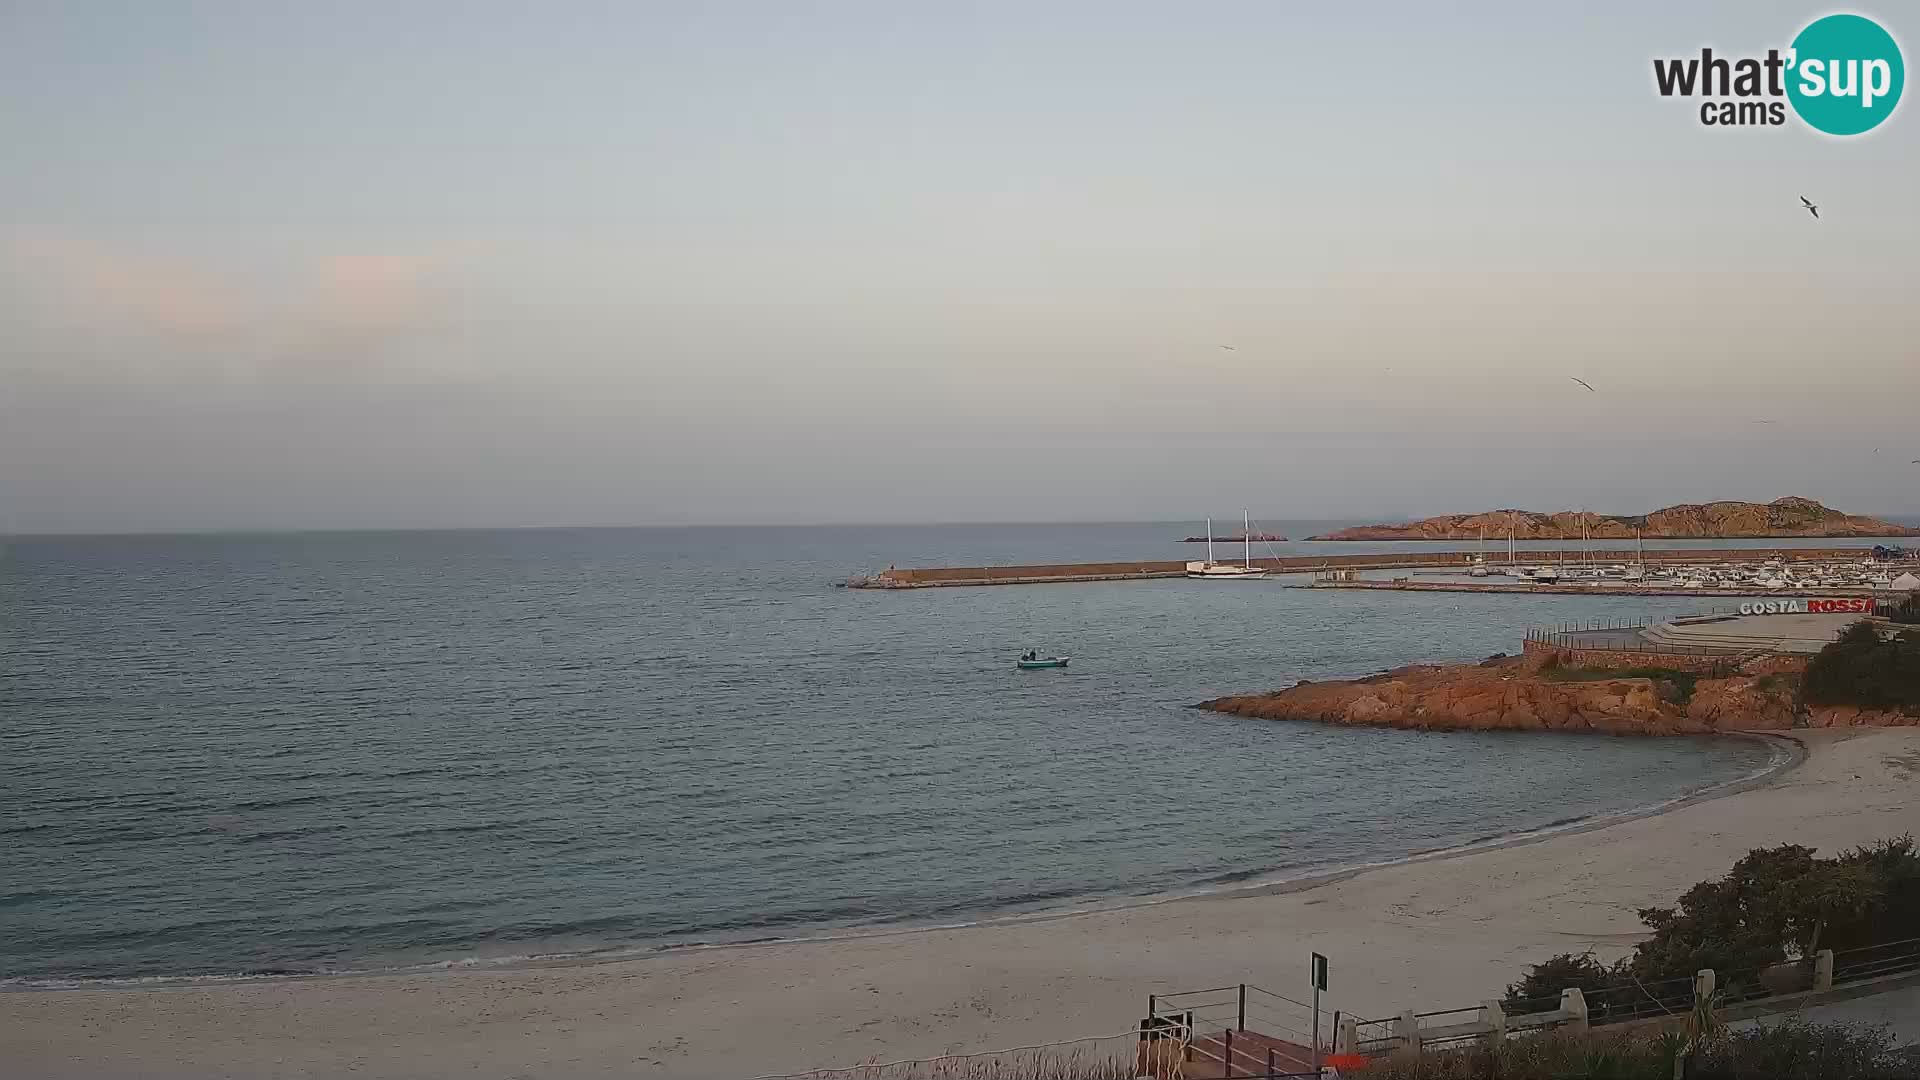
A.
pixel 278 266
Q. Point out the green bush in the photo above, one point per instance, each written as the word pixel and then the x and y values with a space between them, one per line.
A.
pixel 1775 904
pixel 1595 1056
pixel 1862 670
pixel 1796 1050
pixel 1894 866
pixel 1608 988
pixel 1738 923
pixel 1671 684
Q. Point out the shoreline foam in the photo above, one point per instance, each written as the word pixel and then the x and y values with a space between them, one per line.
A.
pixel 1444 931
pixel 1788 753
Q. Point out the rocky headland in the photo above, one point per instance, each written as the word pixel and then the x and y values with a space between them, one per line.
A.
pixel 1538 693
pixel 1780 518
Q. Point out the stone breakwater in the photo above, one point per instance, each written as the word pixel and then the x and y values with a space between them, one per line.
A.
pixel 938 576
pixel 1533 693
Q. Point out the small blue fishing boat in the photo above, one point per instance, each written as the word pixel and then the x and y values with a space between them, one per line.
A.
pixel 1034 663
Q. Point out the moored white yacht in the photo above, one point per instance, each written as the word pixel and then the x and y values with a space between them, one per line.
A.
pixel 1217 571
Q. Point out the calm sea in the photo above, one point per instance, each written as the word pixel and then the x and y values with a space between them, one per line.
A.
pixel 291 753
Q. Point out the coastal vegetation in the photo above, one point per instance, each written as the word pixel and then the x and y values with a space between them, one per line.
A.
pixel 1868 677
pixel 1866 670
pixel 1790 1050
pixel 1671 684
pixel 1776 904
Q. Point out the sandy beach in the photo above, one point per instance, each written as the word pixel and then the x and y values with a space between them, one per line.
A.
pixel 1429 934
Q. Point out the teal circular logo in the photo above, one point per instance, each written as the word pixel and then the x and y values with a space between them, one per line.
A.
pixel 1846 74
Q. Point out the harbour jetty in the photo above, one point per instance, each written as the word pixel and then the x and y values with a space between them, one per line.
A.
pixel 1258 538
pixel 1149 569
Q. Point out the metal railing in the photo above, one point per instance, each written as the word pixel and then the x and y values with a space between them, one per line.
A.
pixel 1245 1061
pixel 1574 644
pixel 1636 1000
pixel 1241 1030
pixel 1240 1007
pixel 1875 961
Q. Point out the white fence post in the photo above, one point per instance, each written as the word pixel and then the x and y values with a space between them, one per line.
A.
pixel 1574 1004
pixel 1495 1018
pixel 1407 1030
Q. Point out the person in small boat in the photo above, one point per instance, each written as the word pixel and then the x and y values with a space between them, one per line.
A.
pixel 1028 655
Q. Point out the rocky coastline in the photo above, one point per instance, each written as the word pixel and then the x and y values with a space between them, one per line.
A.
pixel 1788 517
pixel 1535 692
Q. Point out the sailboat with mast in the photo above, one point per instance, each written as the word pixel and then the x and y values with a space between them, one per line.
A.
pixel 1218 571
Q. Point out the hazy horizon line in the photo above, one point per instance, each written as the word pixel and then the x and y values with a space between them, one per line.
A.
pixel 1910 517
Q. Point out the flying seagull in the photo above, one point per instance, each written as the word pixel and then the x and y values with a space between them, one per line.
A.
pixel 1583 382
pixel 1811 209
pixel 1229 348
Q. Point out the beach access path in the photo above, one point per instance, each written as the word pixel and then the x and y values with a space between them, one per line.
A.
pixel 1897 1009
pixel 1436 933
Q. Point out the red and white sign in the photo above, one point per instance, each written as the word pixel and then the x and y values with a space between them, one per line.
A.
pixel 1822 605
pixel 1837 605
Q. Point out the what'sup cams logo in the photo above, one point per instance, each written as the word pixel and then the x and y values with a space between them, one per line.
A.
pixel 1842 75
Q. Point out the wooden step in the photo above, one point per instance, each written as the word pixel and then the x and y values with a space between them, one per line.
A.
pixel 1249 1056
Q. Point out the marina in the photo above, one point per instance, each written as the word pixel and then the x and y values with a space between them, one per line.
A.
pixel 1735 577
pixel 1662 572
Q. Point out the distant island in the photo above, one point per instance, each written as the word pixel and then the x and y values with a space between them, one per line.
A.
pixel 1688 521
pixel 1238 538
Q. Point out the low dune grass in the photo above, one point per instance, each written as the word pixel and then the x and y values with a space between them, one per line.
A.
pixel 1671 684
pixel 1789 1049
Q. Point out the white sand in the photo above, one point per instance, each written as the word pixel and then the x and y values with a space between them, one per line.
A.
pixel 1433 934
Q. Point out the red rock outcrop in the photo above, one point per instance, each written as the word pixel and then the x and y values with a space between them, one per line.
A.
pixel 1782 517
pixel 1497 696
pixel 1517 694
pixel 1743 703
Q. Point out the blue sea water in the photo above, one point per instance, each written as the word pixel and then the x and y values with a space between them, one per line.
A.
pixel 307 752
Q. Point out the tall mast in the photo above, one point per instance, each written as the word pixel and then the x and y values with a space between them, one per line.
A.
pixel 1246 534
pixel 1209 541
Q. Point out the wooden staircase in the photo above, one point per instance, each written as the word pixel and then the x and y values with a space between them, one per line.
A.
pixel 1222 1055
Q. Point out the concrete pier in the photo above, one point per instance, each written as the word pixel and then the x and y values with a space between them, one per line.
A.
pixel 1148 569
